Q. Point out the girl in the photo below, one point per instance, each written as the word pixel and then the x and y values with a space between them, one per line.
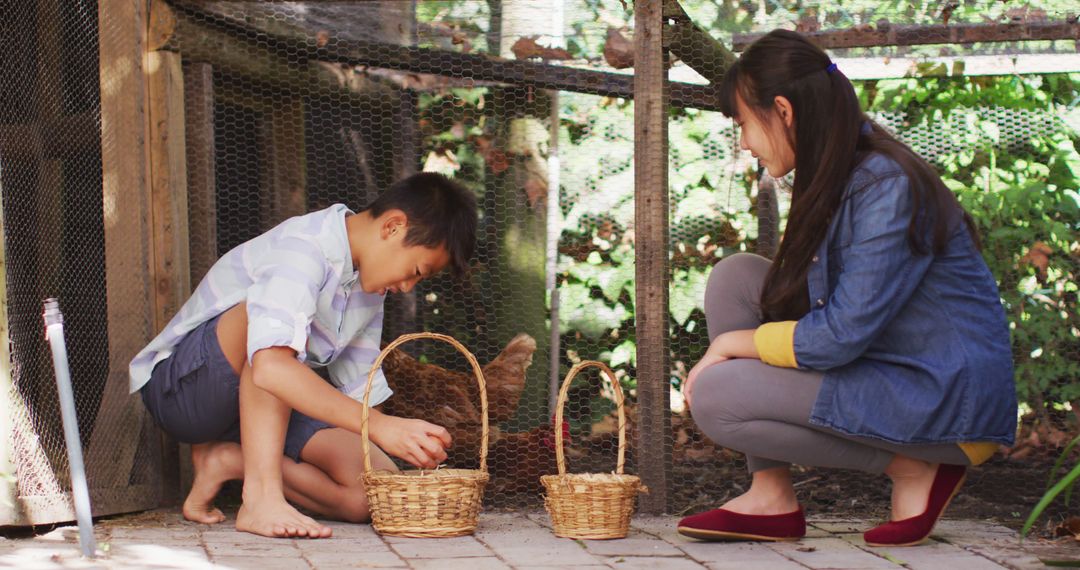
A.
pixel 875 340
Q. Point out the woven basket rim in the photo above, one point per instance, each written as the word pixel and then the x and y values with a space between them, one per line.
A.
pixel 427 476
pixel 592 477
pixel 564 391
pixel 477 371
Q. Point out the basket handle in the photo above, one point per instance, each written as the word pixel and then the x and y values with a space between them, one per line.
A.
pixel 560 455
pixel 364 435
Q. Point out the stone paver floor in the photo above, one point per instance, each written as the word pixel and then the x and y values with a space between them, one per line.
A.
pixel 163 540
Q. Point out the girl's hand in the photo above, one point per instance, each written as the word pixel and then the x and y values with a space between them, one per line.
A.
pixel 706 361
pixel 421 443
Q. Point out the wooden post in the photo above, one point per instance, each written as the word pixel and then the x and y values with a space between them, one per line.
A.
pixel 651 213
pixel 168 184
pixel 768 216
pixel 128 237
pixel 287 169
pixel 201 180
pixel 403 315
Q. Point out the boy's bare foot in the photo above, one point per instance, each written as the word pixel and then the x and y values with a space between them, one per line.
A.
pixel 912 480
pixel 214 463
pixel 277 518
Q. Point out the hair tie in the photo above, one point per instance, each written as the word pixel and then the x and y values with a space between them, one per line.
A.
pixel 831 68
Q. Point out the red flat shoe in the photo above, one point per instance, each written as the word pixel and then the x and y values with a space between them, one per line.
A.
pixel 916 530
pixel 721 524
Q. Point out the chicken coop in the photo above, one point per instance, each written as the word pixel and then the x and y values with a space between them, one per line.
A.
pixel 140 141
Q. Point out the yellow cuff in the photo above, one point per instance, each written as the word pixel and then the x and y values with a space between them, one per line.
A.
pixel 775 343
pixel 979 451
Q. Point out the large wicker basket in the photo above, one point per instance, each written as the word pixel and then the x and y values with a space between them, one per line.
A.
pixel 590 505
pixel 426 503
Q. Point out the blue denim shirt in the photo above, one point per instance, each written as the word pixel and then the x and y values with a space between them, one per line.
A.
pixel 915 348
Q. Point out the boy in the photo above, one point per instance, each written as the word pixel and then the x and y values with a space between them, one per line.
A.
pixel 238 358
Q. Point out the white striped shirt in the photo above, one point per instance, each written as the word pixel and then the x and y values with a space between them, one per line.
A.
pixel 301 291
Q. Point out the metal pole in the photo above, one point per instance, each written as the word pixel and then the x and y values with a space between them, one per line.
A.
pixel 554 223
pixel 554 231
pixel 54 332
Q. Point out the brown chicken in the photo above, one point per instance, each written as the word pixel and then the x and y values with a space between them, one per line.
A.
pixel 451 399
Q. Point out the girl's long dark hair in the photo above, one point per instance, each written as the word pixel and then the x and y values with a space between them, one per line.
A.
pixel 829 143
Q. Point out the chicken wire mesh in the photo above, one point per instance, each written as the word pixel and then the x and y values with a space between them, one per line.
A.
pixel 293 106
pixel 385 112
pixel 54 246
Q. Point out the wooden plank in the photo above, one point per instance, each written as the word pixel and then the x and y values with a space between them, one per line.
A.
pixel 201 180
pixel 168 188
pixel 128 239
pixel 168 185
pixel 190 35
pixel 889 35
pixel 653 450
pixel 235 53
pixel 57 507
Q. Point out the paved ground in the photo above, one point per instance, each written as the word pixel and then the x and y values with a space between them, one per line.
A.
pixel 163 540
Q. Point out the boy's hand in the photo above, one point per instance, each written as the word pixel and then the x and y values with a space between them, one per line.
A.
pixel 421 443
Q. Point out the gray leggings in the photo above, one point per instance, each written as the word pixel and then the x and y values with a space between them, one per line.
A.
pixel 764 411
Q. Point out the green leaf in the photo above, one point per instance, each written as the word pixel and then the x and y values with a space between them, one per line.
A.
pixel 1048 497
pixel 687 293
pixel 613 280
pixel 1060 460
pixel 625 352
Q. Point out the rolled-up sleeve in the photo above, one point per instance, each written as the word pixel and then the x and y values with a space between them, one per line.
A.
pixel 879 275
pixel 283 296
pixel 349 371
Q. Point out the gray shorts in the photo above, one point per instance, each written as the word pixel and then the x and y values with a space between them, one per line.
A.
pixel 194 395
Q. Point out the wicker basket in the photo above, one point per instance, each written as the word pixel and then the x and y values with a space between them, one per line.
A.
pixel 590 505
pixel 425 503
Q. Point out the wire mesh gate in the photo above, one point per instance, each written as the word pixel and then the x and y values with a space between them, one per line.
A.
pixel 61 240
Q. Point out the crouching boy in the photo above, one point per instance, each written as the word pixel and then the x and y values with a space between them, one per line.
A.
pixel 232 373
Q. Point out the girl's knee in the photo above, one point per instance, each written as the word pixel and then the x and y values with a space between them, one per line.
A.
pixel 736 268
pixel 718 390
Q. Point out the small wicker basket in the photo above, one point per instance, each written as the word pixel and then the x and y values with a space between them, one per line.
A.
pixel 425 503
pixel 590 505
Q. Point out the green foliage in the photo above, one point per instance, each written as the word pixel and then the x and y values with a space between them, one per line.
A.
pixel 1020 185
pixel 1054 489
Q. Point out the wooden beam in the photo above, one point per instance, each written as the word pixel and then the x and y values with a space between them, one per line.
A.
pixel 694 46
pixel 190 36
pixel 889 35
pixel 201 169
pixel 128 238
pixel 231 51
pixel 516 72
pixel 651 211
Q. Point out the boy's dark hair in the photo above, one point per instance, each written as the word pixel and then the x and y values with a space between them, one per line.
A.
pixel 440 211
